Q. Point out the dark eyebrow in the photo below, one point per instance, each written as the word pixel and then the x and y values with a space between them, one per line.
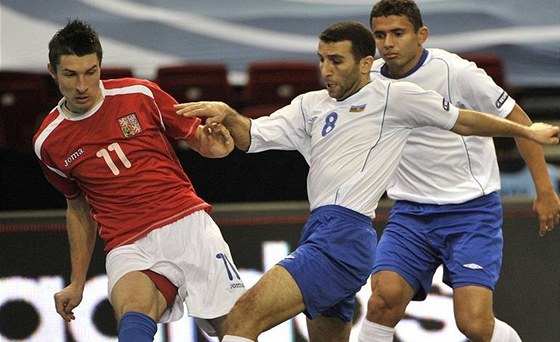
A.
pixel 336 55
pixel 392 30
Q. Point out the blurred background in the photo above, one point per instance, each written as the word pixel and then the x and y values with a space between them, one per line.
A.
pixel 257 55
pixel 145 35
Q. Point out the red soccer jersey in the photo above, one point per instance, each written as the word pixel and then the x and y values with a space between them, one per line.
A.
pixel 119 156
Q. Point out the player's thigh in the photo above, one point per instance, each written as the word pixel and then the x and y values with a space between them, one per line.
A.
pixel 472 303
pixel 135 291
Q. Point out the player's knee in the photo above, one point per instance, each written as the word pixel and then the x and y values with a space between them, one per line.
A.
pixel 387 302
pixel 476 328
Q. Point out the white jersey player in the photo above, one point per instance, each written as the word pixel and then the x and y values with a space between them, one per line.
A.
pixel 443 167
pixel 352 135
pixel 447 210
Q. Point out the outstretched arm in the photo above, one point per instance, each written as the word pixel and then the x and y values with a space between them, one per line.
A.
pixel 82 233
pixel 238 125
pixel 476 123
pixel 546 204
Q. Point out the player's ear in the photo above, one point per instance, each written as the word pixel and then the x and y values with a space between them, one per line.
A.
pixel 52 70
pixel 423 34
pixel 366 63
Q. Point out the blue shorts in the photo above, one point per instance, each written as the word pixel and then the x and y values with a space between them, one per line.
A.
pixel 333 260
pixel 466 238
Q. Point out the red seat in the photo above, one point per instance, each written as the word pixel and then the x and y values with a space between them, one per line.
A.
pixel 195 82
pixel 115 72
pixel 276 83
pixel 23 97
pixel 256 111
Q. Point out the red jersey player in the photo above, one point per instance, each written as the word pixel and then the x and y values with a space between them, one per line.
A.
pixel 105 148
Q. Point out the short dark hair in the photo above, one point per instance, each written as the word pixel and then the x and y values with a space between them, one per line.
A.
pixel 361 38
pixel 408 8
pixel 76 38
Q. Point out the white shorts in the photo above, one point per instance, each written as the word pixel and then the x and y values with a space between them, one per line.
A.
pixel 193 255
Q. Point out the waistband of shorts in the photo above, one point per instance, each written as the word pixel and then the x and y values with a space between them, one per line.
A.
pixel 493 198
pixel 333 208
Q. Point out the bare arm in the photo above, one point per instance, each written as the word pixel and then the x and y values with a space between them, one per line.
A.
pixel 476 123
pixel 82 232
pixel 238 125
pixel 546 204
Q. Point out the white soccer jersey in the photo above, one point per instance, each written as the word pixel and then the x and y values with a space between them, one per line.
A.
pixel 442 167
pixel 353 146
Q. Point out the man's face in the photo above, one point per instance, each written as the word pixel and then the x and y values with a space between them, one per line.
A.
pixel 78 81
pixel 339 69
pixel 397 42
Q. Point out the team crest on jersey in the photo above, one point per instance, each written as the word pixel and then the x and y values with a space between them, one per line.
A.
pixel 130 125
pixel 357 108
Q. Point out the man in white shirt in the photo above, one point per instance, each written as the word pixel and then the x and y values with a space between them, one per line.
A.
pixel 447 210
pixel 352 135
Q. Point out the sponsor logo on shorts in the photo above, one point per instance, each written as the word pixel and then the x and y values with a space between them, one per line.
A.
pixel 237 285
pixel 473 266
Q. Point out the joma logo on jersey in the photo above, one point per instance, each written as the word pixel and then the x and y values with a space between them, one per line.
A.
pixel 73 157
pixel 130 125
pixel 501 100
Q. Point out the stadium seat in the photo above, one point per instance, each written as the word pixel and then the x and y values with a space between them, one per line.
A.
pixel 276 83
pixel 256 111
pixel 23 97
pixel 195 82
pixel 115 72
